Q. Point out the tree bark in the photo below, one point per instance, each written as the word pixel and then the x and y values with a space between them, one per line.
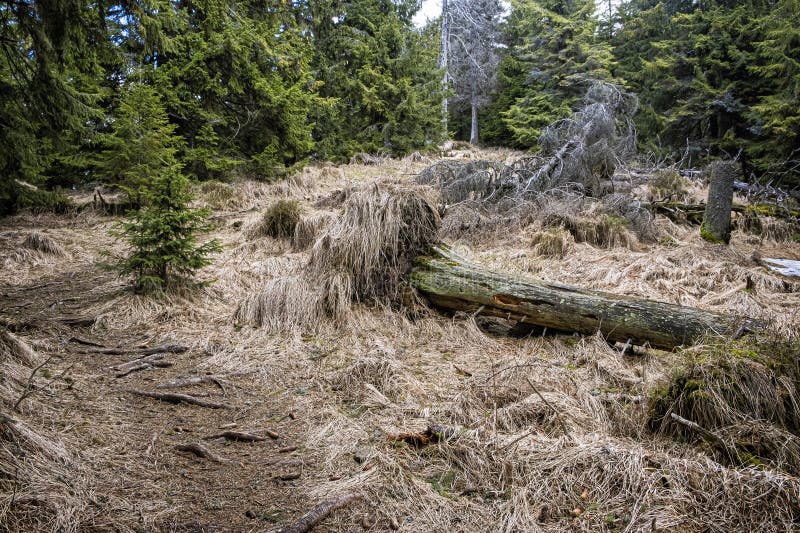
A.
pixel 450 282
pixel 444 61
pixel 716 225
pixel 473 135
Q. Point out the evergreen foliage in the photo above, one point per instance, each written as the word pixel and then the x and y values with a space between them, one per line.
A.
pixel 142 143
pixel 258 87
pixel 379 75
pixel 165 253
pixel 162 232
pixel 555 55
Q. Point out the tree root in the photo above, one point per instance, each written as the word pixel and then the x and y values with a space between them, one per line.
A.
pixel 237 435
pixel 187 382
pixel 163 348
pixel 200 451
pixel 179 398
pixel 142 363
pixel 319 513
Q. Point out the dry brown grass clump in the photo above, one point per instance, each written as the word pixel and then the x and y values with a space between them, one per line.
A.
pixel 42 243
pixel 309 228
pixel 603 230
pixel 363 256
pixel 744 397
pixel 552 242
pixel 668 185
pixel 280 219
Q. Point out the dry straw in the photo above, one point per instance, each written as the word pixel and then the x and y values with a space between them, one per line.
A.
pixel 362 256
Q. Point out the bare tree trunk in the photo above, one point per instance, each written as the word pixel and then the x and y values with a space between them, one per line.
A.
pixel 716 225
pixel 450 282
pixel 444 62
pixel 473 135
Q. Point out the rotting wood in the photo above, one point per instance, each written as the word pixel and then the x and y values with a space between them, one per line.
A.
pixel 179 398
pixel 452 283
pixel 238 436
pixel 200 451
pixel 308 521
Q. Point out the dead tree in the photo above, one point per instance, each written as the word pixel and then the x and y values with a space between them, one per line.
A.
pixel 716 225
pixel 449 282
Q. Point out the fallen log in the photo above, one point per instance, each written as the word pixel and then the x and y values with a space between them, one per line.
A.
pixel 450 282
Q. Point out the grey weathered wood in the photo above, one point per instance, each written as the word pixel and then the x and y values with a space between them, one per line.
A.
pixel 450 282
pixel 716 225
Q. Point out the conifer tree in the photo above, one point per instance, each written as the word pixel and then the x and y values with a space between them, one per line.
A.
pixel 379 75
pixel 142 143
pixel 562 54
pixel 162 232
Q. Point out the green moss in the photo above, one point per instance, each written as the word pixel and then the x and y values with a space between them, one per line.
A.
pixel 707 235
pixel 752 378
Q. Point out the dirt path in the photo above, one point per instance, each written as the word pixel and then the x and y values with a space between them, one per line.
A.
pixel 131 440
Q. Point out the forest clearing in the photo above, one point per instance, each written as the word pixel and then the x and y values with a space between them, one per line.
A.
pixel 436 421
pixel 399 265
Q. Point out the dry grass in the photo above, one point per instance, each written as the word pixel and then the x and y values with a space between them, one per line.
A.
pixel 362 256
pixel 746 392
pixel 550 432
pixel 309 228
pixel 280 220
pixel 552 242
pixel 218 195
pixel 42 243
pixel 43 485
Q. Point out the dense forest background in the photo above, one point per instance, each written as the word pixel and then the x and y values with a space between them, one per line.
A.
pixel 106 92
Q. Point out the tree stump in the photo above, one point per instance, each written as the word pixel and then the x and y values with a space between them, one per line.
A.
pixel 716 226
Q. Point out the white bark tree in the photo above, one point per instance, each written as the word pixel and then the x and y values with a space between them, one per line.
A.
pixel 469 53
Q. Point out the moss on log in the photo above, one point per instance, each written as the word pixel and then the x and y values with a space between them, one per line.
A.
pixel 450 282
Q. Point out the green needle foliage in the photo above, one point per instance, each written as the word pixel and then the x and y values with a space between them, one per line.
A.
pixel 165 253
pixel 162 233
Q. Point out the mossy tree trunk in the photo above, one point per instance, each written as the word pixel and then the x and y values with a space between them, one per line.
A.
pixel 716 225
pixel 450 282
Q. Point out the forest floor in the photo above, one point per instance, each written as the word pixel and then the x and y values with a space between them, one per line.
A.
pixel 551 431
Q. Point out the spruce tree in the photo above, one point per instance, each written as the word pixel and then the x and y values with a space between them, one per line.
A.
pixel 162 232
pixel 142 143
pixel 560 51
pixel 379 76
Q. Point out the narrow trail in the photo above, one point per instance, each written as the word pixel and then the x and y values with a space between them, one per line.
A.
pixel 132 441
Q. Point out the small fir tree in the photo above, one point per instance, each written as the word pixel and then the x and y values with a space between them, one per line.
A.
pixel 163 232
pixel 164 252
